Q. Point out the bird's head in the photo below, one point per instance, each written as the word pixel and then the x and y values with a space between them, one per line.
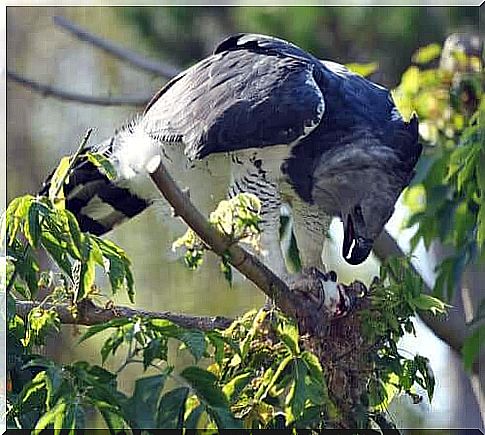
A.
pixel 360 183
pixel 362 224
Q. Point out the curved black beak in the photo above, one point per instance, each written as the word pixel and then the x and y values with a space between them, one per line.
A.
pixel 355 249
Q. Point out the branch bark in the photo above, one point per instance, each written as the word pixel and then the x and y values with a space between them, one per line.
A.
pixel 152 66
pixel 50 91
pixel 90 314
pixel 273 286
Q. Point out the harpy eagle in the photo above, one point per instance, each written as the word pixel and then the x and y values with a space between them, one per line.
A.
pixel 300 131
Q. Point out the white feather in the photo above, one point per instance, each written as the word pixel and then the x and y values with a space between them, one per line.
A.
pixel 135 152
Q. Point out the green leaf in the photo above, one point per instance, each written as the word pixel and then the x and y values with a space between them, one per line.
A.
pixel 96 329
pixel 32 227
pixel 218 343
pixel 157 348
pixel 234 387
pixel 481 227
pixel 269 379
pixel 54 382
pixel 295 400
pixel 15 214
pixel 226 269
pixel 427 53
pixel 50 417
pixel 205 386
pixel 101 162
pixel 410 80
pixel 472 347
pixel 193 418
pixel 56 193
pixel 407 375
pixel 377 392
pixel 255 326
pixel 39 323
pixel 314 367
pixel 288 332
pixel 171 409
pixel 86 279
pixel 143 403
pixel 424 368
pixel 67 419
pixel 112 415
pixel 112 344
pixel 195 342
pixel 224 418
pixel 57 249
pixel 117 265
pixel 363 69
pixel 116 273
pixel 77 237
pixel 165 327
pixel 426 302
pixel 37 384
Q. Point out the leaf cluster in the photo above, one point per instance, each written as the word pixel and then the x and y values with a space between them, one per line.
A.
pixel 237 218
pixel 396 296
pixel 447 196
pixel 447 199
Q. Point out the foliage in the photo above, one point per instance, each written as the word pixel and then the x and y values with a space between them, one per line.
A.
pixel 237 218
pixel 396 296
pixel 32 224
pixel 447 199
pixel 259 375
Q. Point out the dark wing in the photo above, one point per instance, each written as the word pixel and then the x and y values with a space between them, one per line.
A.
pixel 253 91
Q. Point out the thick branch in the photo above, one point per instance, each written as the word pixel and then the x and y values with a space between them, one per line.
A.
pixel 247 264
pixel 91 314
pixel 139 61
pixel 46 90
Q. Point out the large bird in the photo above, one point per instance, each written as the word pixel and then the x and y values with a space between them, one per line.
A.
pixel 299 130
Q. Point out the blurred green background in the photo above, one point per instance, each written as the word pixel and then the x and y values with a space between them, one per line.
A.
pixel 40 130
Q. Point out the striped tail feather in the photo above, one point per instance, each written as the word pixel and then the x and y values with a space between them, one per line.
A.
pixel 100 204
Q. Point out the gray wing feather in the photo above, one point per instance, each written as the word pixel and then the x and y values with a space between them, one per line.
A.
pixel 235 100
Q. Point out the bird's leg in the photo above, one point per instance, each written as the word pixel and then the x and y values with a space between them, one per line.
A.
pixel 270 251
pixel 310 231
pixel 310 227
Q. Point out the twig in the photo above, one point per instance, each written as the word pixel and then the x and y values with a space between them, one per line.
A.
pixel 60 94
pixel 90 314
pixel 153 66
pixel 247 264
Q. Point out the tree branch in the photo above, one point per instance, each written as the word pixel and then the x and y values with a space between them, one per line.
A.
pixel 273 286
pixel 60 94
pixel 90 314
pixel 152 66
